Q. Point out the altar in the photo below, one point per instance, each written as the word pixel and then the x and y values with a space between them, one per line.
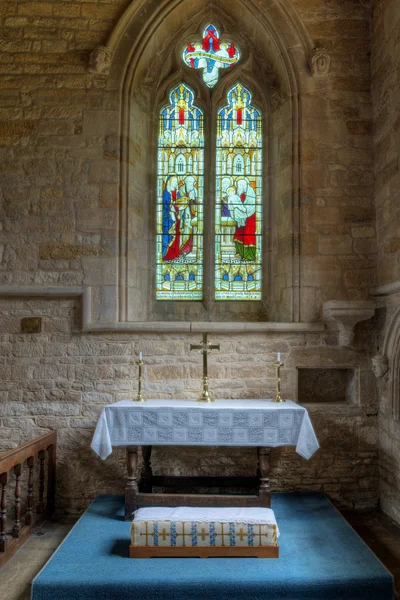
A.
pixel 261 424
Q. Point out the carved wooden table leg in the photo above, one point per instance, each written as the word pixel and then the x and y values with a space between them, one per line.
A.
pixel 146 475
pixel 131 487
pixel 264 465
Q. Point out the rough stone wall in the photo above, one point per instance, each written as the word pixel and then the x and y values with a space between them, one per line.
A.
pixel 54 184
pixel 59 175
pixel 61 379
pixel 338 244
pixel 389 428
pixel 386 100
pixel 59 151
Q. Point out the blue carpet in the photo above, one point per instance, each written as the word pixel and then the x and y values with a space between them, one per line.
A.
pixel 321 558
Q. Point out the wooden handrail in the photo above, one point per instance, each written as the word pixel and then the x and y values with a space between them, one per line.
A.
pixel 12 460
pixel 13 457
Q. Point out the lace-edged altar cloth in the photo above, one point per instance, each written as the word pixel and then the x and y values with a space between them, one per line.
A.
pixel 191 423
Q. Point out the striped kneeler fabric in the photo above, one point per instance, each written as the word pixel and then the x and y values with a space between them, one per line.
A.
pixel 203 532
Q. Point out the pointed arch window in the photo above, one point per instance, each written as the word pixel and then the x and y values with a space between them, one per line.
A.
pixel 237 205
pixel 179 268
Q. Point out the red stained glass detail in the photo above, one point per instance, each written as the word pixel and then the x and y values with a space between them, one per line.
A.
pixel 231 51
pixel 181 116
pixel 207 41
pixel 239 116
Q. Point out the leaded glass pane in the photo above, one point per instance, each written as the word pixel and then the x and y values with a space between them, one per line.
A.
pixel 210 55
pixel 179 269
pixel 238 206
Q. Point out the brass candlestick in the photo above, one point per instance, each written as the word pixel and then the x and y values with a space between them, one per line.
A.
pixel 139 397
pixel 205 348
pixel 278 397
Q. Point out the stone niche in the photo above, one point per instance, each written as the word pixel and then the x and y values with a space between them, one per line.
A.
pixel 334 385
pixel 328 376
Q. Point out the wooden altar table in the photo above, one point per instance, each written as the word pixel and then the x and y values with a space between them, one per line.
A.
pixel 262 424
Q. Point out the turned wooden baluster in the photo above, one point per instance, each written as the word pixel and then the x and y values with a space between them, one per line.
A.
pixel 17 523
pixel 3 511
pixel 40 506
pixel 29 497
pixel 51 480
pixel 264 465
pixel 131 487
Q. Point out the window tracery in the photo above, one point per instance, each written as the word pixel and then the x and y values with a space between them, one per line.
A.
pixel 238 190
pixel 211 55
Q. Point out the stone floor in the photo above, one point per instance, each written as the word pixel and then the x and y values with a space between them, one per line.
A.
pixel 382 535
pixel 16 575
pixel 377 530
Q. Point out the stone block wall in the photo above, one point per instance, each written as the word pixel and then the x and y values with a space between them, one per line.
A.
pixel 59 169
pixel 386 100
pixel 385 62
pixel 338 243
pixel 389 427
pixel 59 151
pixel 61 379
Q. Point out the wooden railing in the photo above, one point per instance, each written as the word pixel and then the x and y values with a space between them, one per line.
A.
pixel 13 460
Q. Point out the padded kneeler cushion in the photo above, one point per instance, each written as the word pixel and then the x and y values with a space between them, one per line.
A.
pixel 202 532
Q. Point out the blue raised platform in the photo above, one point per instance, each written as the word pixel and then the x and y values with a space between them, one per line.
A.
pixel 321 558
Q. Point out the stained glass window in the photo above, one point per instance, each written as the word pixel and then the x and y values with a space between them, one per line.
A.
pixel 238 203
pixel 179 269
pixel 211 55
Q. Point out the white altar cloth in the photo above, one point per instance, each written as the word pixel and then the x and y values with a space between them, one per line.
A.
pixel 190 423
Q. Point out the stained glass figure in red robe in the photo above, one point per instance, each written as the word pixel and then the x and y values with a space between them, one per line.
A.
pixel 238 208
pixel 179 240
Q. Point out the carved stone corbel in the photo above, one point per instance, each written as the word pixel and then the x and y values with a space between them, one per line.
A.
pixel 380 365
pixel 347 313
pixel 320 62
pixel 100 61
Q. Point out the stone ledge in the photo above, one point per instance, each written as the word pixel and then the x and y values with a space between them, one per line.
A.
pixel 347 313
pixel 386 290
pixel 85 294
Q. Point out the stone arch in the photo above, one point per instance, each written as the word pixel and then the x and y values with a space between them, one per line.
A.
pixel 391 349
pixel 283 47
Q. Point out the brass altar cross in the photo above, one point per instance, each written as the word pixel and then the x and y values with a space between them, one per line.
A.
pixel 205 348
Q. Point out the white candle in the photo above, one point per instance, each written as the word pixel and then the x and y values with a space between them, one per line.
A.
pixel 140 356
pixel 278 356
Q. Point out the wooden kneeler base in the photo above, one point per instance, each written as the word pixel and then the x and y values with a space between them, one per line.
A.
pixel 203 551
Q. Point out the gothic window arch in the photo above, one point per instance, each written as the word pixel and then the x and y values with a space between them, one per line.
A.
pixel 233 225
pixel 147 65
